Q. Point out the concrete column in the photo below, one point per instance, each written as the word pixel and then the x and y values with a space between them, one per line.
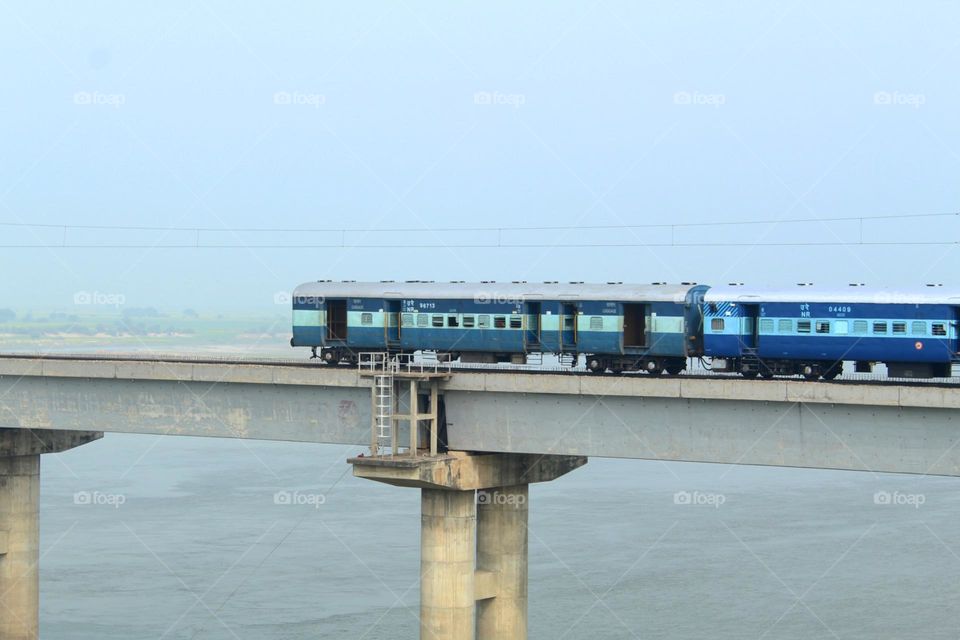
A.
pixel 502 515
pixel 447 564
pixel 19 547
pixel 473 559
pixel 20 451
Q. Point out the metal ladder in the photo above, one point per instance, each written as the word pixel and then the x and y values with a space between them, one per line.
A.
pixel 383 406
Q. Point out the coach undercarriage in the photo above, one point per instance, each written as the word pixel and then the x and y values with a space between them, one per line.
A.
pixel 751 366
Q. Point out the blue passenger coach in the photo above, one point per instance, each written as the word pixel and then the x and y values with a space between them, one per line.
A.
pixel 812 331
pixel 616 326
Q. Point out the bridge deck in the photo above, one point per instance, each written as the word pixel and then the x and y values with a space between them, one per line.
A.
pixel 882 427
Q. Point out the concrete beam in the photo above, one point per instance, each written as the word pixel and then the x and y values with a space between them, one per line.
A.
pixel 29 442
pixel 463 471
pixel 876 427
pixel 486 584
pixel 794 433
pixel 267 411
pixel 883 394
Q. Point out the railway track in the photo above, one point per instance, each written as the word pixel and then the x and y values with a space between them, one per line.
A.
pixel 696 373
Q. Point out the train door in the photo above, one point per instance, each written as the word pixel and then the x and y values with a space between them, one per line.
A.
pixel 568 327
pixel 336 320
pixel 534 326
pixel 391 323
pixel 749 325
pixel 634 325
pixel 955 332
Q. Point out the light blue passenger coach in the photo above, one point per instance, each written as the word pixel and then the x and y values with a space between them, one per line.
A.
pixel 618 326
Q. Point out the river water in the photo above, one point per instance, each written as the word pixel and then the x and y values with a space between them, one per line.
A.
pixel 149 537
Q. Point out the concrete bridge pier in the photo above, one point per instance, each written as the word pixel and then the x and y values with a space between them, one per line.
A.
pixel 473 536
pixel 502 518
pixel 20 451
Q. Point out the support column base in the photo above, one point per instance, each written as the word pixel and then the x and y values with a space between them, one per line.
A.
pixel 473 536
pixel 20 451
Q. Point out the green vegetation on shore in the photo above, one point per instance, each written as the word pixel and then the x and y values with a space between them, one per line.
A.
pixel 138 327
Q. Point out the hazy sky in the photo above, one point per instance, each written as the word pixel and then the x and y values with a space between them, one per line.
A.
pixel 430 115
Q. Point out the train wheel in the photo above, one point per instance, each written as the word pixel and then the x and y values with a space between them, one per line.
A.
pixel 749 375
pixel 675 369
pixel 654 368
pixel 833 371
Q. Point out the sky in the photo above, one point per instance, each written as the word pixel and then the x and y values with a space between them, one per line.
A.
pixel 427 116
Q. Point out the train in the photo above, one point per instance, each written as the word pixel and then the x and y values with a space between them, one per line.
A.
pixel 657 328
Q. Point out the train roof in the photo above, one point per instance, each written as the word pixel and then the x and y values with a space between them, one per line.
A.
pixel 615 291
pixel 809 292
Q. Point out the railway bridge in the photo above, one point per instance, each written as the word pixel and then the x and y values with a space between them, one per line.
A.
pixel 472 441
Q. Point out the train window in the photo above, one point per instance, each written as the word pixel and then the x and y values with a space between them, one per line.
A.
pixel 568 323
pixel 785 326
pixel 596 323
pixel 918 328
pixel 406 320
pixel 499 322
pixel 453 321
pixel 422 319
pixel 437 321
pixel 841 327
pixel 939 329
pixel 366 318
pixel 468 321
pixel 879 327
pixel 803 326
pixel 483 321
pixel 716 324
pixel 766 325
pixel 515 322
pixel 823 326
pixel 860 326
pixel 899 327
